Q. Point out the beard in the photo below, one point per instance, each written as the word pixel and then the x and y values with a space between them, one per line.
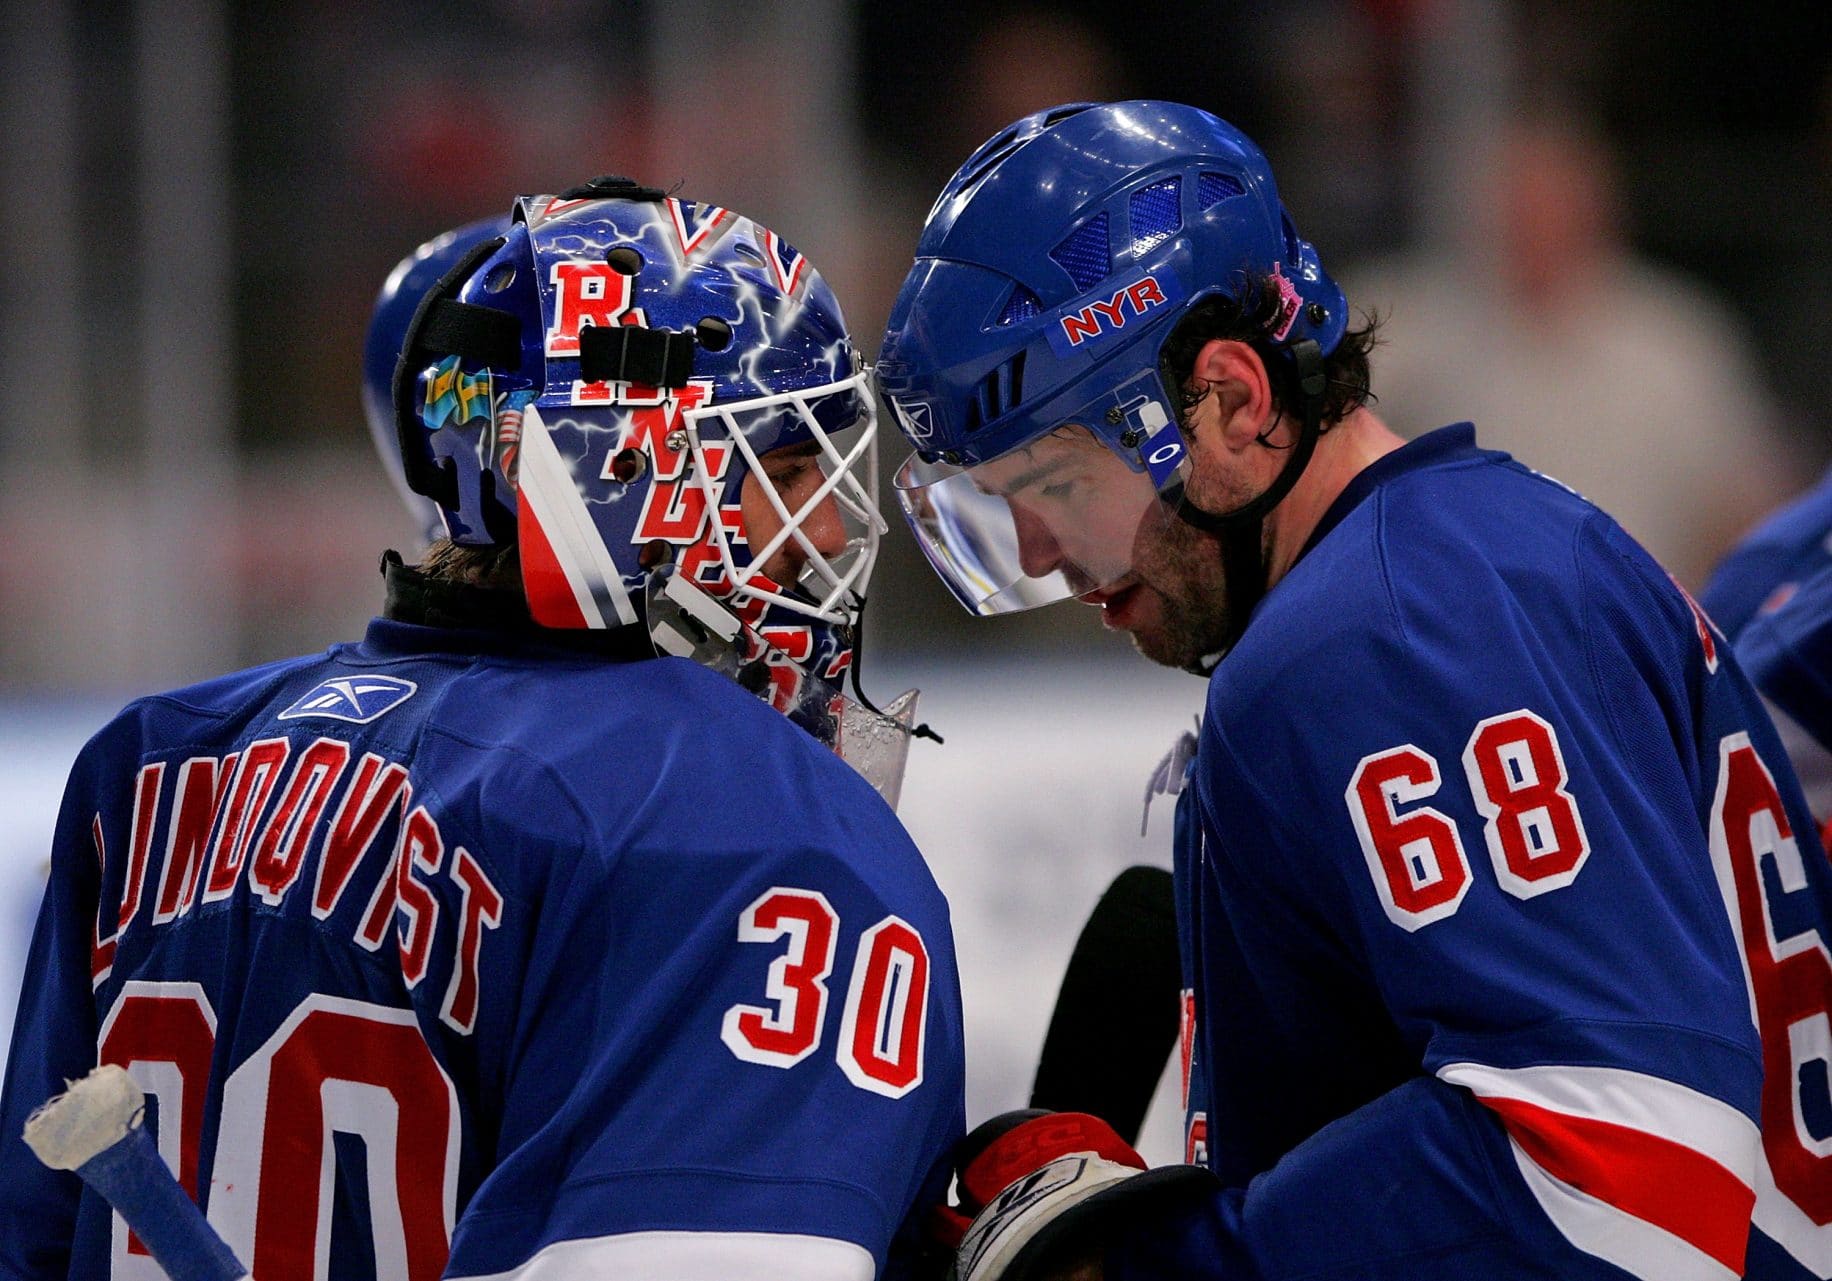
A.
pixel 1185 617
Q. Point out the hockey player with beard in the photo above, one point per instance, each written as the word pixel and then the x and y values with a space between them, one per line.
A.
pixel 1504 933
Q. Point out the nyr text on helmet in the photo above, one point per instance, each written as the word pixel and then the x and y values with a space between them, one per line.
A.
pixel 1109 315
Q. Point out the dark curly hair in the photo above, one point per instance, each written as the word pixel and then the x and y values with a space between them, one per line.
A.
pixel 1250 316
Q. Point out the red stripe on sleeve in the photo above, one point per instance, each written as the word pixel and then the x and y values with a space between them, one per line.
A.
pixel 1657 1180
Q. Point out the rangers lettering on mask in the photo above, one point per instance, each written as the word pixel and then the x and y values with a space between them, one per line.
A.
pixel 585 293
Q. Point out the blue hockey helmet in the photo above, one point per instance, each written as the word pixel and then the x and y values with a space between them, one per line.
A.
pixel 656 401
pixel 395 305
pixel 598 383
pixel 1050 272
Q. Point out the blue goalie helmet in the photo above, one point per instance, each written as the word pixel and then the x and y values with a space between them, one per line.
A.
pixel 656 401
pixel 1025 340
pixel 395 305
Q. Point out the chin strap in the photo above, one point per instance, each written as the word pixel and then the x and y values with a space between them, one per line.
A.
pixel 858 661
pixel 1241 531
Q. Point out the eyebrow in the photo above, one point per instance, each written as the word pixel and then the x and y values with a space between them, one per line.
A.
pixel 1025 479
pixel 806 449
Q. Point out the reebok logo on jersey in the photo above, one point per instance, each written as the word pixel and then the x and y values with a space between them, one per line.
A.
pixel 357 699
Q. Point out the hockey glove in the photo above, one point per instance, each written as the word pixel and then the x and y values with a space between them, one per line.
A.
pixel 1036 1193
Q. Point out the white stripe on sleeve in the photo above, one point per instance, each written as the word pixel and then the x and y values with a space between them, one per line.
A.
pixel 697 1256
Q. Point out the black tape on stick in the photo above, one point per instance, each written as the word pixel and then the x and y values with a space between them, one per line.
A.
pixel 1116 1017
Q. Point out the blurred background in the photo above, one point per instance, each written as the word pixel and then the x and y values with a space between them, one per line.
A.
pixel 1601 230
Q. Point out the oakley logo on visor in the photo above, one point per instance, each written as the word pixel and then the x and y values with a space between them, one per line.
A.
pixel 1163 452
pixel 1162 449
pixel 1109 315
pixel 357 699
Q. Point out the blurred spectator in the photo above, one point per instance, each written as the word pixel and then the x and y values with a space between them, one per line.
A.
pixel 1029 59
pixel 1622 379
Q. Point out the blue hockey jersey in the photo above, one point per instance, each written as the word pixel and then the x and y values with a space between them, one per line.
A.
pixel 1786 649
pixel 448 953
pixel 1503 923
pixel 1765 568
pixel 1772 596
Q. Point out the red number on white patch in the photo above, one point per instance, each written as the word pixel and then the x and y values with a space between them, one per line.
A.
pixel 884 1026
pixel 164 1035
pixel 333 1066
pixel 1417 859
pixel 347 1067
pixel 887 1010
pixel 1517 778
pixel 1517 775
pixel 1790 985
pixel 797 984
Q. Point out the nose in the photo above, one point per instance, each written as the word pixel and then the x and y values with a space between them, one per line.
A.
pixel 822 525
pixel 1039 554
pixel 825 528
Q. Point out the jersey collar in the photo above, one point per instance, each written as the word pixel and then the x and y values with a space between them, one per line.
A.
pixel 421 614
pixel 1455 443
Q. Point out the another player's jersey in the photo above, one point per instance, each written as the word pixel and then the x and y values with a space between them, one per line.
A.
pixel 1772 597
pixel 1505 927
pixel 1766 568
pixel 445 944
pixel 1786 650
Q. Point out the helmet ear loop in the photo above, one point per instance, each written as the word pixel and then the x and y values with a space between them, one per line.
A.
pixel 1241 531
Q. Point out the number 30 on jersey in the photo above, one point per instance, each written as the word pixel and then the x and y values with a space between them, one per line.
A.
pixel 886 1014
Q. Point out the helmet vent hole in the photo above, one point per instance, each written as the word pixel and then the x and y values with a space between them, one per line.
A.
pixel 986 159
pixel 714 334
pixel 989 400
pixel 499 277
pixel 1213 188
pixel 1022 305
pixel 628 465
pixel 1013 379
pixel 1004 143
pixel 1156 214
pixel 1083 253
pixel 998 393
pixel 624 260
pixel 1059 114
pixel 973 416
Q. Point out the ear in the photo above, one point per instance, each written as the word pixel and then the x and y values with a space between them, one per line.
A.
pixel 1241 388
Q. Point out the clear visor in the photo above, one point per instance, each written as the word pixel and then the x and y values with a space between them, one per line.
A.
pixel 809 497
pixel 1061 516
